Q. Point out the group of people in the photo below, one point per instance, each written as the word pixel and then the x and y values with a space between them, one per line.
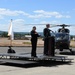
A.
pixel 34 38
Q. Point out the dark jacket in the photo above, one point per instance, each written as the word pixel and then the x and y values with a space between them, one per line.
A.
pixel 34 36
pixel 46 32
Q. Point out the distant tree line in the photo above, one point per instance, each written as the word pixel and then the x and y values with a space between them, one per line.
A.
pixel 4 34
pixel 72 36
pixel 21 35
pixel 17 35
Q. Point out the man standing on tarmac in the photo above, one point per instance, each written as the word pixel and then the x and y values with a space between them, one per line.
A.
pixel 34 38
pixel 46 33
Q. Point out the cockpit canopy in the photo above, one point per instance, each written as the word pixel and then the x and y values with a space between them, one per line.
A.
pixel 64 30
pixel 62 36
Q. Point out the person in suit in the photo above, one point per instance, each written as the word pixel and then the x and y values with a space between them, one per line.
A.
pixel 46 33
pixel 34 38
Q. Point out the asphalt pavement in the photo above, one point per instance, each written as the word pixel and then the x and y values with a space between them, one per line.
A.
pixel 48 68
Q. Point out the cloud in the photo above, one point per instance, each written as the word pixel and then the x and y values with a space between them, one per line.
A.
pixel 18 25
pixel 50 22
pixel 72 30
pixel 1 17
pixel 36 14
pixel 44 22
pixel 68 16
pixel 47 14
pixel 19 21
pixel 4 27
pixel 8 12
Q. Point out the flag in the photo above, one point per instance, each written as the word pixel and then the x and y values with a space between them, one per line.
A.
pixel 10 31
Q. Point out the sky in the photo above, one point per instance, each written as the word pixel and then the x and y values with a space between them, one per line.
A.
pixel 34 12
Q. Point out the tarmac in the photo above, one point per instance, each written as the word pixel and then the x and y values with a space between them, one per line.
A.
pixel 48 68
